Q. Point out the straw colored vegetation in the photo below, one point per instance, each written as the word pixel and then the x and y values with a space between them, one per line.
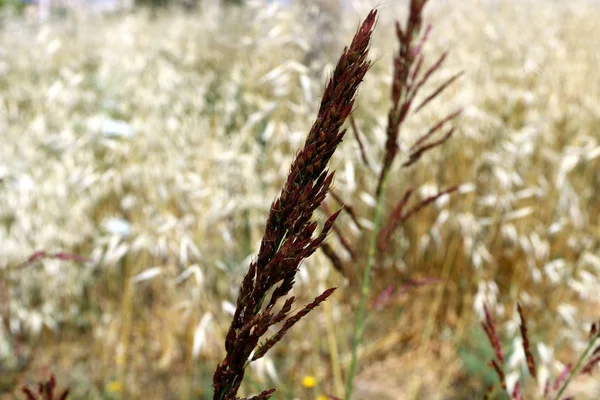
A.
pixel 155 146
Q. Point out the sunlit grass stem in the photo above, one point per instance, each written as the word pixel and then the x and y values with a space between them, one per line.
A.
pixel 578 366
pixel 359 328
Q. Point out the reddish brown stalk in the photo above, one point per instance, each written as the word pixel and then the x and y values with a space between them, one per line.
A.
pixel 289 322
pixel 399 217
pixel 438 91
pixel 526 343
pixel 383 298
pixel 434 129
pixel 490 331
pixel 289 234
pixel 361 146
pixel 389 293
pixel 418 153
pixel 347 208
pixel 562 377
pixel 516 394
pixel 344 242
pixel 333 257
pixel 394 222
pixel 546 389
pixel 589 366
pixel 425 77
pixel 500 374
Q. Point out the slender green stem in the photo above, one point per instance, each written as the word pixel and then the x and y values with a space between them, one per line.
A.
pixel 366 286
pixel 578 365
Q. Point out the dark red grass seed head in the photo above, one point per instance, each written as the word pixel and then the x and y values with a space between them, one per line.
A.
pixel 288 238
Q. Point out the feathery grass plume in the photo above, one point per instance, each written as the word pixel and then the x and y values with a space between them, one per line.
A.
pixel 46 390
pixel 288 237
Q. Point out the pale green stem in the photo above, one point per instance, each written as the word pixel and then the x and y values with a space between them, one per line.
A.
pixel 578 365
pixel 366 286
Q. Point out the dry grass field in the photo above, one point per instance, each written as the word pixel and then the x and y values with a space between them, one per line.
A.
pixel 154 146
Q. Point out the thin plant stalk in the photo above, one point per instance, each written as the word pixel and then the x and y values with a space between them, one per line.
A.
pixel 578 366
pixel 408 79
pixel 366 286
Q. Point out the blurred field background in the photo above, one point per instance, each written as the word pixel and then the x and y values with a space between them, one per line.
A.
pixel 153 141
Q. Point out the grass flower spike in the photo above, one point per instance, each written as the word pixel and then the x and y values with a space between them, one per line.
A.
pixel 289 234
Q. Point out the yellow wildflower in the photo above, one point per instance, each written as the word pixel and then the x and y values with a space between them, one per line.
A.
pixel 309 381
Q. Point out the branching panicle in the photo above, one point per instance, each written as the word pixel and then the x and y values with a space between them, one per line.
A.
pixel 408 80
pixel 289 233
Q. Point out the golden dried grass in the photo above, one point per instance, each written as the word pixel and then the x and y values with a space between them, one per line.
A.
pixel 216 115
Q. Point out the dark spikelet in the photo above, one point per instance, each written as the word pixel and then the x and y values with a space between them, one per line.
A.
pixel 526 343
pixel 490 331
pixel 289 235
